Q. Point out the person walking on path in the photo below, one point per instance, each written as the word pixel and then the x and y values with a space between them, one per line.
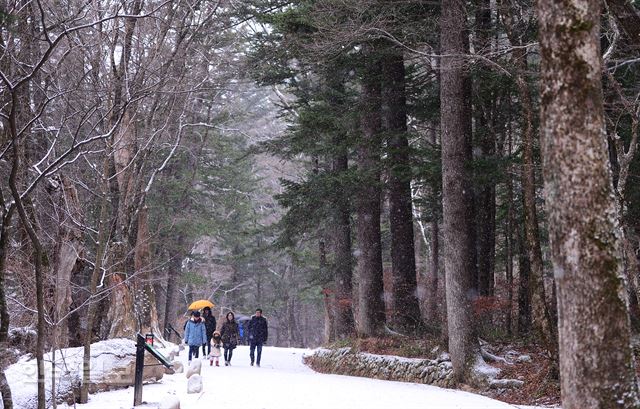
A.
pixel 216 343
pixel 210 326
pixel 258 333
pixel 230 335
pixel 195 334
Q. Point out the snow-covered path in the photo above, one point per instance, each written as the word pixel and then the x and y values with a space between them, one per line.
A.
pixel 284 382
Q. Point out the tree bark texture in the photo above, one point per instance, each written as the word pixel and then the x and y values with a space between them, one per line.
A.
pixel 344 323
pixel 38 255
pixel 4 247
pixel 405 306
pixel 328 302
pixel 524 295
pixel 371 307
pixel 121 321
pixel 173 275
pixel 145 296
pixel 596 362
pixel 457 192
pixel 508 236
pixel 434 272
pixel 69 249
pixel 103 234
pixel 5 389
pixel 542 322
pixel 485 197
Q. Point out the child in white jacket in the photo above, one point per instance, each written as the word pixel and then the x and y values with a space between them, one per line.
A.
pixel 216 344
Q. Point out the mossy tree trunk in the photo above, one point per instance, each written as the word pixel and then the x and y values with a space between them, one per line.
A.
pixel 597 367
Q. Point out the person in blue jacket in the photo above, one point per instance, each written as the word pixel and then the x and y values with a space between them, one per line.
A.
pixel 195 334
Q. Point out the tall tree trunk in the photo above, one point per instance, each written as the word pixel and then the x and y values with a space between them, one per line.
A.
pixel 5 389
pixel 621 159
pixel 4 248
pixel 340 242
pixel 405 306
pixel 328 303
pixel 457 194
pixel 596 361
pixel 69 249
pixel 508 238
pixel 145 296
pixel 543 324
pixel 485 198
pixel 434 272
pixel 371 311
pixel 328 294
pixel 104 226
pixel 434 310
pixel 524 295
pixel 121 318
pixel 342 263
pixel 173 275
pixel 38 254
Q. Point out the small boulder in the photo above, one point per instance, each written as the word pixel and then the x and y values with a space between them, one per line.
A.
pixel 444 357
pixel 194 385
pixel 523 358
pixel 177 366
pixel 194 368
pixel 170 402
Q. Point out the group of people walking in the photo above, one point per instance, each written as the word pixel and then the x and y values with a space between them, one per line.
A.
pixel 201 331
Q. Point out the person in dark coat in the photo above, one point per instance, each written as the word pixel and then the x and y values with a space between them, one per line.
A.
pixel 210 325
pixel 258 333
pixel 230 336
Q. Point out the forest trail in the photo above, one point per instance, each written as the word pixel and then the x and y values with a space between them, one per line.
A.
pixel 284 382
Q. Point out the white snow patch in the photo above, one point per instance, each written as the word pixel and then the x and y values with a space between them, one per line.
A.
pixel 284 382
pixel 482 372
pixel 23 375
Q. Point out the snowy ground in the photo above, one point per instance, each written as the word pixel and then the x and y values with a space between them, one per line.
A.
pixel 284 382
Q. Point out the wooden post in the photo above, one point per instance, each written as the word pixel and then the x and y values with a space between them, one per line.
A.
pixel 137 392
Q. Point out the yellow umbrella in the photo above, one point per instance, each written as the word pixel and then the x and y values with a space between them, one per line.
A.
pixel 197 305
